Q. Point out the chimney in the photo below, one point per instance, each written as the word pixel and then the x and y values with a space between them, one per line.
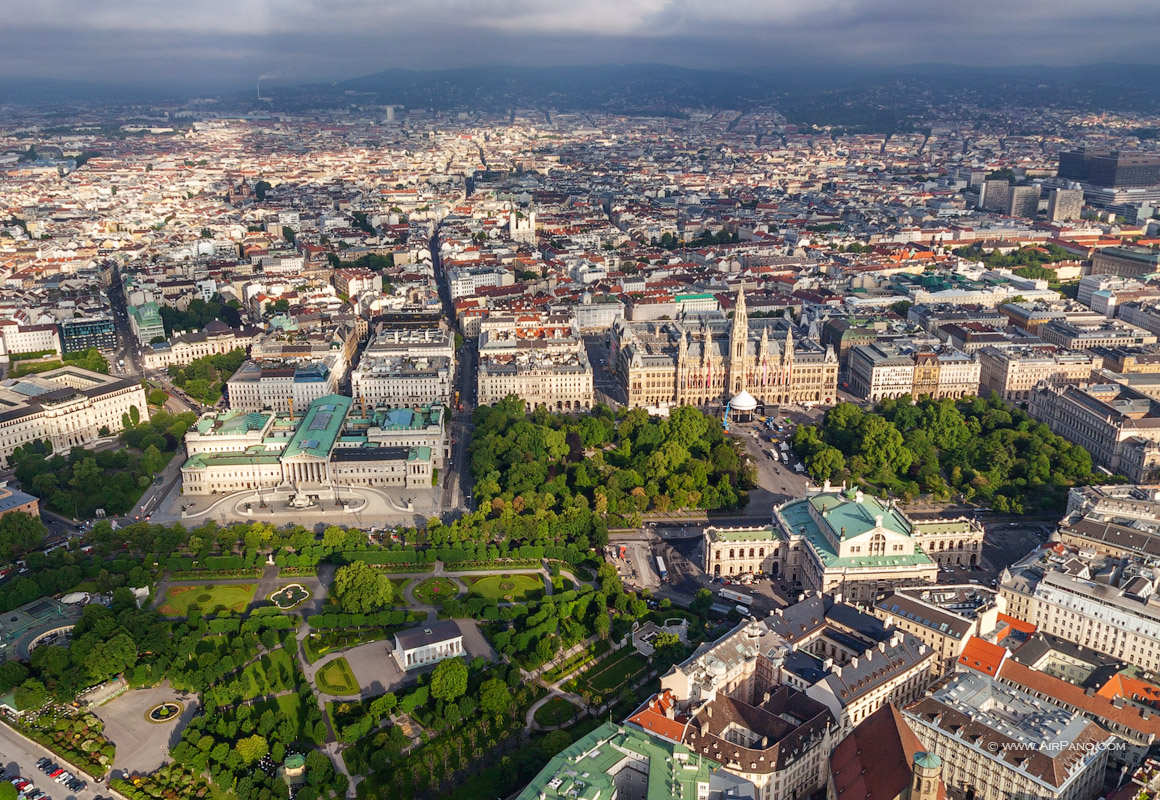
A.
pixel 709 711
pixel 764 742
pixel 858 496
pixel 877 520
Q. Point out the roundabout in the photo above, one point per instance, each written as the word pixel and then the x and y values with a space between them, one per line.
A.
pixel 164 712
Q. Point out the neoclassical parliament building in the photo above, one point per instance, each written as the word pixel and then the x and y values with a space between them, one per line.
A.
pixel 706 358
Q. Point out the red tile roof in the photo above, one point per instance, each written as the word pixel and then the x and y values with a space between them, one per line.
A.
pixel 875 761
pixel 983 656
pixel 653 718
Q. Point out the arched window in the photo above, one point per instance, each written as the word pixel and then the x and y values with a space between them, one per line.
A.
pixel 731 555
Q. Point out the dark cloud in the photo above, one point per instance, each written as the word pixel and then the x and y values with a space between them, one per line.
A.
pixel 220 43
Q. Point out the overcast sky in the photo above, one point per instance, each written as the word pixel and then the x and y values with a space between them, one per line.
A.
pixel 231 42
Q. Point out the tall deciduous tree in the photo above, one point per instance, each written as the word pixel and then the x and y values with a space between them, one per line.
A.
pixel 449 679
pixel 360 588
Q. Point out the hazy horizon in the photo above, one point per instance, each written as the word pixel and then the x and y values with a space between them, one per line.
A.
pixel 219 46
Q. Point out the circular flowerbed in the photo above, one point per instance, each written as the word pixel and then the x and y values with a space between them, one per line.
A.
pixel 204 597
pixel 506 586
pixel 164 712
pixel 289 596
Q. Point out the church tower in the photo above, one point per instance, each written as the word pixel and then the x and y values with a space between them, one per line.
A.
pixel 927 776
pixel 738 345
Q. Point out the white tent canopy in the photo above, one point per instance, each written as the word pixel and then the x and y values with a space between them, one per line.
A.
pixel 743 401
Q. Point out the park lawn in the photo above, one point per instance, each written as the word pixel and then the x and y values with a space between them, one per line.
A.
pixel 400 584
pixel 255 677
pixel 436 591
pixel 234 597
pixel 614 672
pixel 507 588
pixel 556 711
pixel 288 706
pixel 337 678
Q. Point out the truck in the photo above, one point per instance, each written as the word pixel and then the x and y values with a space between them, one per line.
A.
pixel 739 598
pixel 623 552
pixel 661 568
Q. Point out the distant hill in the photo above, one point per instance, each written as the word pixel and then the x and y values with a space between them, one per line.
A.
pixel 855 98
pixel 881 99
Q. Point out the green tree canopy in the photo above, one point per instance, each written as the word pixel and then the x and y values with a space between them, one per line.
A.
pixel 19 533
pixel 449 679
pixel 360 588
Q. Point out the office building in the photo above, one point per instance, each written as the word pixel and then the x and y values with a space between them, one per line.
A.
pixel 1064 205
pixel 1014 371
pixel 16 338
pixel 993 195
pixel 542 369
pixel 1126 261
pixel 85 332
pixel 68 406
pixel 976 725
pixel 1023 202
pixel 1105 603
pixel 878 371
pixel 216 338
pixel 1081 336
pixel 1119 426
pixel 943 617
pixel 836 655
pixel 1110 168
pixel 145 322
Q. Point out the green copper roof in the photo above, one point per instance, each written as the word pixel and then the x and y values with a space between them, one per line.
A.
pixel 319 428
pixel 927 760
pixel 849 517
pixel 798 520
pixel 586 769
pixel 762 534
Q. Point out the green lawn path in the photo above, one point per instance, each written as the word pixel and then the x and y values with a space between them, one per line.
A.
pixel 556 711
pixel 233 597
pixel 506 588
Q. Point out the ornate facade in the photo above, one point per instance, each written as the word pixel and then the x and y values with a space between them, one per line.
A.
pixel 708 359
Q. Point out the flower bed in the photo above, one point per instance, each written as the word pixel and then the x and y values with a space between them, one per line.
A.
pixel 77 738
pixel 289 596
pixel 164 712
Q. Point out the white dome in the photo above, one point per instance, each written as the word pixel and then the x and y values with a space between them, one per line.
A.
pixel 743 401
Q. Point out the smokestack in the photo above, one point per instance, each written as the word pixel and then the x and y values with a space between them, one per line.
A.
pixel 259 89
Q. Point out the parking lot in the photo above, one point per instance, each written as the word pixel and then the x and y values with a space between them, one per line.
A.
pixel 20 757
